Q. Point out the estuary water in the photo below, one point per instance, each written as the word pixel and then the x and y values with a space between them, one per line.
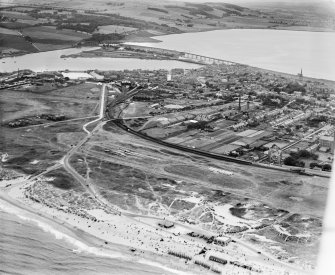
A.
pixel 277 50
pixel 52 61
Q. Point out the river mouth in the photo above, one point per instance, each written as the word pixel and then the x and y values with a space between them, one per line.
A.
pixel 53 61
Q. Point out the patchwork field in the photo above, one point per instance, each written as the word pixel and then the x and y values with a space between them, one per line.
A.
pixel 50 32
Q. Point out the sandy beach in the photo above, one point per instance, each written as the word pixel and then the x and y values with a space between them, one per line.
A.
pixel 131 238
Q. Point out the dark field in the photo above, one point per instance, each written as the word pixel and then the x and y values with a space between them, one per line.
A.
pixel 62 180
pixel 16 42
pixel 73 101
pixel 33 150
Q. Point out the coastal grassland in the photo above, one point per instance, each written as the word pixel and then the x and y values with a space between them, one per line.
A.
pixel 143 178
pixel 127 187
pixel 269 186
pixel 298 236
pixel 79 91
pixel 59 190
pixel 33 149
pixel 62 180
pixel 287 191
pixel 74 101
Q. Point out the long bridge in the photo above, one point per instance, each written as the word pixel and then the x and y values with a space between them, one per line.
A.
pixel 205 59
pixel 184 55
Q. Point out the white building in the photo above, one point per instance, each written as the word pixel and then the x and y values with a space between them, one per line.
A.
pixel 97 76
pixel 77 75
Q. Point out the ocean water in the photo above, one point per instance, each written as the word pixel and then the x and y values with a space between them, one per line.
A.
pixel 25 248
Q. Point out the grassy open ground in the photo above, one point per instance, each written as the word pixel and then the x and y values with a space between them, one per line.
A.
pixel 34 148
pixel 73 101
pixel 142 178
pixel 44 33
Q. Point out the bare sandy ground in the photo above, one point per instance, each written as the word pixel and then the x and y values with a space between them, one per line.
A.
pixel 113 236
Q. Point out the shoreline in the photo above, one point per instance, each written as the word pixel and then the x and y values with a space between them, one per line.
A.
pixel 62 226
pixel 82 53
pixel 112 236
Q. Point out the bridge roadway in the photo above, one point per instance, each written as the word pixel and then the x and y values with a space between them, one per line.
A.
pixel 207 59
pixel 186 56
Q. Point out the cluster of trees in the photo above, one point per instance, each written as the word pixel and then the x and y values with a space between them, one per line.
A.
pixel 157 9
pixel 201 125
pixel 291 161
pixel 294 158
pixel 299 103
pixel 324 167
pixel 78 27
pixel 191 107
pixel 100 38
pixel 304 154
pixel 315 121
pixel 294 86
pixel 273 100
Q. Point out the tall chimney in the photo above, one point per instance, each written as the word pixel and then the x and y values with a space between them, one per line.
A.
pixel 239 102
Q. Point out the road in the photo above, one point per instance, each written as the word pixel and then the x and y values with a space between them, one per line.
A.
pixel 65 161
pixel 103 103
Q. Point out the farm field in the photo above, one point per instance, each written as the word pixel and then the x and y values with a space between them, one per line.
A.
pixel 8 31
pixel 16 15
pixel 50 32
pixel 114 29
pixel 14 41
